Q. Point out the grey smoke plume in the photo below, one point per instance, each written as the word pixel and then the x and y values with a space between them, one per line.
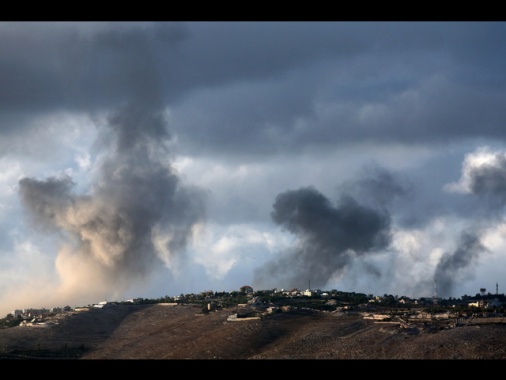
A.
pixel 137 215
pixel 327 237
pixel 489 181
pixel 454 267
pixel 377 187
pixel 484 175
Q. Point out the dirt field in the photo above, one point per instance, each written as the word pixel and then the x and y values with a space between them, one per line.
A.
pixel 181 332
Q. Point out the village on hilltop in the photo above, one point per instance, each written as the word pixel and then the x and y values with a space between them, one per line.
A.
pixel 482 308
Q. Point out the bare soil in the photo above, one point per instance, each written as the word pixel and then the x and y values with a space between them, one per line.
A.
pixel 182 332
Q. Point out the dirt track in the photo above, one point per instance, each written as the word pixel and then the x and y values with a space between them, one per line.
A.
pixel 181 332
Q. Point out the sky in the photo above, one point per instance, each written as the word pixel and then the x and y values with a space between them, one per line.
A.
pixel 153 159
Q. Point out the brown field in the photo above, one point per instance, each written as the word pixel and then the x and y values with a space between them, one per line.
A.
pixel 181 332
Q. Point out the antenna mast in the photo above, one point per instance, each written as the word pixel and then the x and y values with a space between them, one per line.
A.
pixel 434 298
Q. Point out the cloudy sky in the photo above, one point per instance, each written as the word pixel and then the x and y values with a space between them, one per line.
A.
pixel 153 159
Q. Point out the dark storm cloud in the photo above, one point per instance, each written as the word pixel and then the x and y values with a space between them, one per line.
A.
pixel 456 267
pixel 381 82
pixel 335 82
pixel 327 237
pixel 138 211
pixel 47 67
pixel 110 64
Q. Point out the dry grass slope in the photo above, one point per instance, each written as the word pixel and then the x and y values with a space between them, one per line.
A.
pixel 181 332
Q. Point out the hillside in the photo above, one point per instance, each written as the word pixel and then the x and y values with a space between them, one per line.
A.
pixel 181 332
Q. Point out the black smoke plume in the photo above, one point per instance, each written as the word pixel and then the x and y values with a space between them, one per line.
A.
pixel 327 238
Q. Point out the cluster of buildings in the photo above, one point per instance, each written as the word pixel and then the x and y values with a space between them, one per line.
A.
pixel 48 317
pixel 34 313
pixel 35 316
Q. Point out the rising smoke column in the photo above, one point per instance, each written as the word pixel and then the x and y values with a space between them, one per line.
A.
pixel 137 215
pixel 327 238
pixel 454 267
pixel 484 175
